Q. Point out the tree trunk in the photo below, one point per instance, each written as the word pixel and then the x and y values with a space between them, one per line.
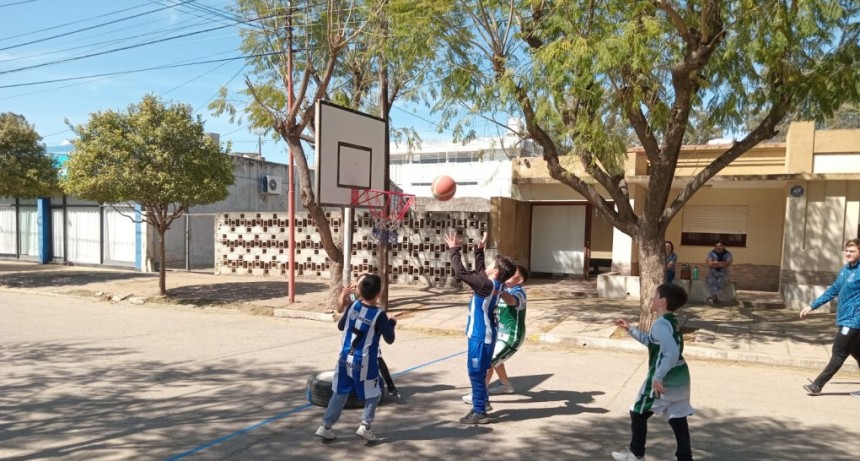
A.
pixel 162 285
pixel 651 275
pixel 333 298
pixel 333 248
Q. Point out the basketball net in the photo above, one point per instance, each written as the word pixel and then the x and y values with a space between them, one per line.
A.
pixel 387 209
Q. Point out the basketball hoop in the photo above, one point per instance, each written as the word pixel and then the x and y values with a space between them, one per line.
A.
pixel 387 209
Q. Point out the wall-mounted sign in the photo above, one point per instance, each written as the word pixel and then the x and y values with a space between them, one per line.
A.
pixel 796 191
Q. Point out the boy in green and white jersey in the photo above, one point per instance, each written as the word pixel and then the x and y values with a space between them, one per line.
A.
pixel 512 329
pixel 666 390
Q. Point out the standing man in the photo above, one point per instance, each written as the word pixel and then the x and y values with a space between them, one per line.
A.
pixel 718 262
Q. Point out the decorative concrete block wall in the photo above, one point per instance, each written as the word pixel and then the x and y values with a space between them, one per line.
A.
pixel 257 244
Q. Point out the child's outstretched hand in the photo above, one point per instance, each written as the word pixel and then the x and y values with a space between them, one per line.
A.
pixel 623 324
pixel 483 243
pixel 451 239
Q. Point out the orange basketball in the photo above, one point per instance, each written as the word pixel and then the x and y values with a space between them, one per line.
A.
pixel 443 188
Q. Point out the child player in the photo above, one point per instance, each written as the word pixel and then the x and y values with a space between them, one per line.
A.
pixel 486 283
pixel 512 332
pixel 666 390
pixel 362 325
pixel 347 298
pixel 512 329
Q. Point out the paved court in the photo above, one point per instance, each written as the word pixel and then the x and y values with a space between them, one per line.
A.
pixel 95 381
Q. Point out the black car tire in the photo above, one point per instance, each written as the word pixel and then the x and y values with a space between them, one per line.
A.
pixel 319 391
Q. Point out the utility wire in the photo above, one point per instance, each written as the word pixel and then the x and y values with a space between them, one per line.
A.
pixel 66 34
pixel 3 39
pixel 107 74
pixel 206 10
pixel 198 77
pixel 219 91
pixel 98 45
pixel 76 58
pixel 17 3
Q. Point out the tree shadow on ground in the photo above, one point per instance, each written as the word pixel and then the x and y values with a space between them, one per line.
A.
pixel 57 277
pixel 88 399
pixel 238 292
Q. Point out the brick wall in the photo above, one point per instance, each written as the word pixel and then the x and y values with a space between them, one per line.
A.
pixel 746 276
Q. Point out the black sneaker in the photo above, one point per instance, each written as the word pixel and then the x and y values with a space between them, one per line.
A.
pixel 475 418
pixel 812 389
pixel 711 302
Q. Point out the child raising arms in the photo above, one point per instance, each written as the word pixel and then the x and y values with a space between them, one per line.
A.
pixel 486 284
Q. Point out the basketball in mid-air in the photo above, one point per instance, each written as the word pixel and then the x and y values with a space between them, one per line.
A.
pixel 443 188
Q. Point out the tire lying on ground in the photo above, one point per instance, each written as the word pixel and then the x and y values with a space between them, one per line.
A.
pixel 319 391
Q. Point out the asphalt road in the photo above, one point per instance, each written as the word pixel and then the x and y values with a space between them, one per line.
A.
pixel 94 381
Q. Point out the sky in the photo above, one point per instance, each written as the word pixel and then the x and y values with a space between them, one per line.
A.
pixel 49 40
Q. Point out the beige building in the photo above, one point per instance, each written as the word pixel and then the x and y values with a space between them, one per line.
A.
pixel 783 209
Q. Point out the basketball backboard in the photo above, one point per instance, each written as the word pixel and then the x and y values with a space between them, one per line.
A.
pixel 351 153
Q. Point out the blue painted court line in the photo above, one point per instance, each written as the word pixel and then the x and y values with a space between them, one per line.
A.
pixel 283 415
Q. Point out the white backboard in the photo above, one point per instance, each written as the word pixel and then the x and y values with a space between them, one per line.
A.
pixel 351 153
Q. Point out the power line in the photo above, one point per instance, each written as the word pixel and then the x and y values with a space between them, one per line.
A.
pixel 219 91
pixel 206 10
pixel 66 34
pixel 71 23
pixel 198 77
pixel 114 41
pixel 110 74
pixel 114 50
pixel 17 3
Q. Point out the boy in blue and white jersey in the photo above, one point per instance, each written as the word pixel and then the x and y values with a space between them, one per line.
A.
pixel 511 315
pixel 481 328
pixel 357 367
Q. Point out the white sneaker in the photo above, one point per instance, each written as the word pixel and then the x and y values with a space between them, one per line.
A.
pixel 366 433
pixel 325 433
pixel 467 399
pixel 625 456
pixel 501 389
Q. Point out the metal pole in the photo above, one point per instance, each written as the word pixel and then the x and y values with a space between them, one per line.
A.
pixel 347 244
pixel 291 195
pixel 187 244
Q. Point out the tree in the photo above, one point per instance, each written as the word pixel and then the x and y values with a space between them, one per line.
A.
pixel 154 155
pixel 847 117
pixel 573 70
pixel 360 54
pixel 26 171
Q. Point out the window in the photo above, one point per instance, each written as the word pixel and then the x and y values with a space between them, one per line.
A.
pixel 705 225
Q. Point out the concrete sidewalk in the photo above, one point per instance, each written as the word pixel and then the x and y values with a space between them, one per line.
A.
pixel 560 311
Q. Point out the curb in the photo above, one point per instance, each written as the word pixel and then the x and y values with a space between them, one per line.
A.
pixel 625 345
pixel 689 351
pixel 306 315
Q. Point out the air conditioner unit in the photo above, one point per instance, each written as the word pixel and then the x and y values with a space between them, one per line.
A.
pixel 272 185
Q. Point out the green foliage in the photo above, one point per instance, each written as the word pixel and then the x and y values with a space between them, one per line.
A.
pixel 358 37
pixel 26 171
pixel 589 74
pixel 152 154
